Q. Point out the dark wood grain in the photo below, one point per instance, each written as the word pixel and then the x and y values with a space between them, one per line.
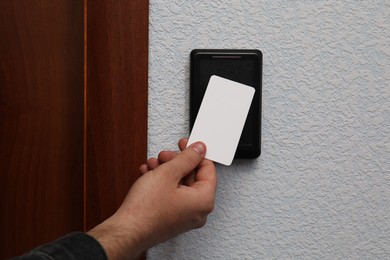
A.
pixel 117 66
pixel 41 122
pixel 64 168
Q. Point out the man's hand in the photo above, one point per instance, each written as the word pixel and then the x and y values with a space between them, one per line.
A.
pixel 174 195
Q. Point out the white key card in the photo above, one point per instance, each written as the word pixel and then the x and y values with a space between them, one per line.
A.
pixel 221 118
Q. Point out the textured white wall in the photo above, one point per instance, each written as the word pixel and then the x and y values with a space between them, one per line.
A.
pixel 321 188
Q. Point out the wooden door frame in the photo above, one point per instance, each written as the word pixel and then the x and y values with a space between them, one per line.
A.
pixel 116 72
pixel 73 105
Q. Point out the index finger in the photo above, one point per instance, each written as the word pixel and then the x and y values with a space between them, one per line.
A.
pixel 206 174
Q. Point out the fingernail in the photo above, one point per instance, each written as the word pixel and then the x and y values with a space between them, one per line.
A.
pixel 199 147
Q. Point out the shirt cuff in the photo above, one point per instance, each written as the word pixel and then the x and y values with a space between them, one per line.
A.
pixel 77 245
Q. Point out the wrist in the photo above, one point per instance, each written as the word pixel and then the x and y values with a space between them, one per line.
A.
pixel 118 239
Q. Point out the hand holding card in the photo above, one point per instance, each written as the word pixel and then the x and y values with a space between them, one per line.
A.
pixel 221 118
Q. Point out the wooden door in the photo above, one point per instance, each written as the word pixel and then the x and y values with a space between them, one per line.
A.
pixel 116 89
pixel 73 113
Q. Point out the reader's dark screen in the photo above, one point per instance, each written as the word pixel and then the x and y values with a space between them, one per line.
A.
pixel 241 69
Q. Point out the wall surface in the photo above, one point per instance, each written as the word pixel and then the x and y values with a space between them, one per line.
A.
pixel 321 188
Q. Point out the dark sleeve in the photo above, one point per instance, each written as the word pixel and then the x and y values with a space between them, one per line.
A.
pixel 76 245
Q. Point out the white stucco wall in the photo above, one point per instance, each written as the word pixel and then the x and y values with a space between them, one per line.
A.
pixel 321 188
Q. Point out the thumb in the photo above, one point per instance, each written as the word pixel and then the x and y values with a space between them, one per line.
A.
pixel 186 161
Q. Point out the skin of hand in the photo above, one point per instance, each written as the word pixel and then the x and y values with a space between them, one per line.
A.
pixel 175 194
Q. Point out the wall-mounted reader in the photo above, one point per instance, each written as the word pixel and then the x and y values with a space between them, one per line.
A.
pixel 241 66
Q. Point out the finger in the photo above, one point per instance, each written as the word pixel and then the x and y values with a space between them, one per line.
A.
pixel 152 163
pixel 186 161
pixel 166 156
pixel 189 179
pixel 183 143
pixel 206 176
pixel 143 169
pixel 206 184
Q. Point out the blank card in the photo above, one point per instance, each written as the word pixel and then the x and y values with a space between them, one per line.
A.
pixel 221 118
